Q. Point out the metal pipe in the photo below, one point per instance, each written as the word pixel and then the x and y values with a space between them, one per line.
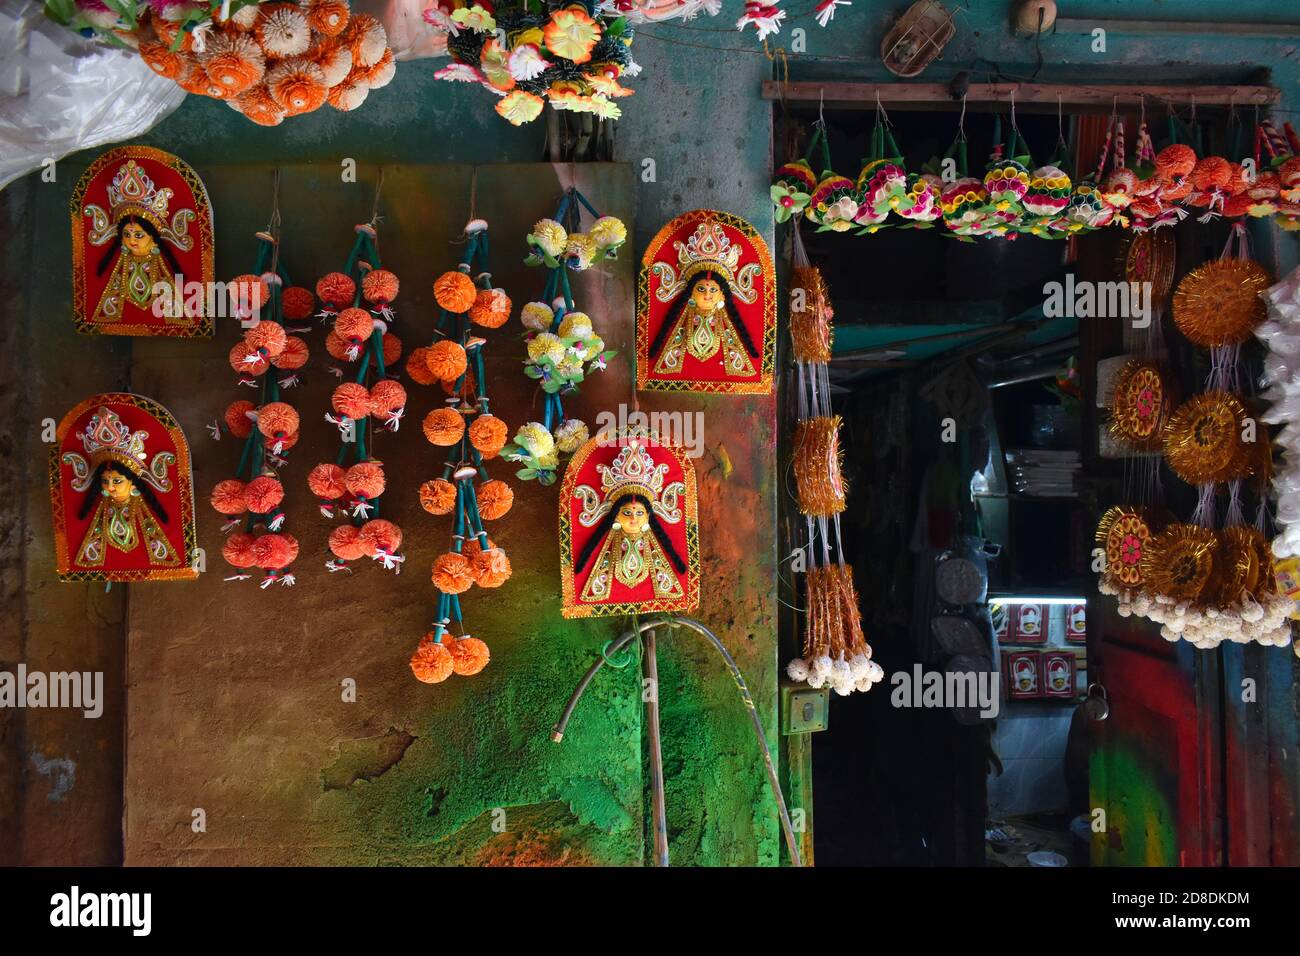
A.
pixel 650 693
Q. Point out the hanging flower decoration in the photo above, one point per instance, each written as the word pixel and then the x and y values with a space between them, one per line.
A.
pixel 473 436
pixel 266 358
pixel 267 59
pixel 562 345
pixel 1015 197
pixel 368 399
pixel 572 56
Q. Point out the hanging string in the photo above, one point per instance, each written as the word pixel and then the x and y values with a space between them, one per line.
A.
pixel 961 120
pixel 273 227
pixel 374 210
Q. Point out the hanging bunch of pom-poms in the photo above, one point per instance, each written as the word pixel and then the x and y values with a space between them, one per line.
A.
pixel 369 400
pixel 835 651
pixel 1015 197
pixel 562 343
pixel 571 55
pixel 267 59
pixel 472 435
pixel 1206 582
pixel 266 358
pixel 1281 333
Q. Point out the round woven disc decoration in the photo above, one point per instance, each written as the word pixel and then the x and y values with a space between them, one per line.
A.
pixel 1141 406
pixel 1178 562
pixel 1236 566
pixel 1150 257
pixel 1204 443
pixel 1218 303
pixel 1124 534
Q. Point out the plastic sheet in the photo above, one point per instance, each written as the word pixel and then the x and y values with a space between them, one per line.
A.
pixel 60 93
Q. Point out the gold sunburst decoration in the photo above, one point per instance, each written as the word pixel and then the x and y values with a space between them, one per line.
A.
pixel 1205 439
pixel 1236 565
pixel 1124 533
pixel 1141 405
pixel 1179 561
pixel 810 316
pixel 1219 303
pixel 1149 257
pixel 818 466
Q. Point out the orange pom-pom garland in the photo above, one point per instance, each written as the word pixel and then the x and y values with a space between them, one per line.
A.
pixel 491 308
pixel 297 303
pixel 431 662
pixel 469 655
pixel 326 482
pixel 351 400
pixel 491 568
pixel 417 366
pixel 264 494
pixel 365 480
pixel 238 550
pixel 295 354
pixel 237 420
pixel 379 287
pixel 346 543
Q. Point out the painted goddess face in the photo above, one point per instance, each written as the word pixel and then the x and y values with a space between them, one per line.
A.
pixel 138 242
pixel 632 519
pixel 115 486
pixel 706 295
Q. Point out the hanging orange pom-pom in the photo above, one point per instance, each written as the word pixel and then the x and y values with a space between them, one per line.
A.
pixel 229 498
pixel 491 308
pixel 233 61
pixel 382 535
pixel 275 551
pixel 260 106
pixel 346 543
pixel 431 662
pixel 329 17
pixel 392 349
pixel 447 360
pixel 438 496
pixel 379 286
pixel 1174 162
pixel 160 58
pixel 494 499
pixel 295 354
pixel 297 303
pixel 351 400
pixel 443 427
pixel 1210 173
pixel 386 397
pixel 251 292
pixel 168 30
pixel 267 337
pixel 455 291
pixel 195 80
pixel 488 434
pixel 491 568
pixel 452 573
pixel 365 479
pixel 238 550
pixel 264 493
pixel 336 346
pixel 417 366
pixel 237 420
pixel 1236 206
pixel 469 655
pixel 277 420
pixel 473 547
pixel 327 481
pixel 336 289
pixel 366 38
pixel 247 360
pixel 354 325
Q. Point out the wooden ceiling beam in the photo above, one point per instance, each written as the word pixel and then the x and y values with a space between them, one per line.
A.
pixel 1073 98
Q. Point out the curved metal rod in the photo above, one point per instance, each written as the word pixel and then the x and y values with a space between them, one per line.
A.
pixel 773 781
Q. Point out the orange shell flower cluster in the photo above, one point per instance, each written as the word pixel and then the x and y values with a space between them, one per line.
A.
pixel 273 60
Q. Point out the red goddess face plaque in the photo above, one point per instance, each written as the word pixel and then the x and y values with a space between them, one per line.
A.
pixel 706 308
pixel 629 533
pixel 122 492
pixel 141 220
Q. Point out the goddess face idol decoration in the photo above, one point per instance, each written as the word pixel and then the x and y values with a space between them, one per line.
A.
pixel 141 246
pixel 122 492
pixel 706 311
pixel 629 536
